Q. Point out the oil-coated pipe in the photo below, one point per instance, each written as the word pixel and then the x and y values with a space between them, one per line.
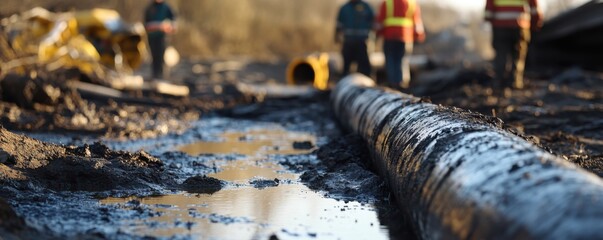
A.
pixel 459 175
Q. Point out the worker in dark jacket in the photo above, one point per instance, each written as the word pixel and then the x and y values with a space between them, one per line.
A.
pixel 511 22
pixel 158 19
pixel 354 25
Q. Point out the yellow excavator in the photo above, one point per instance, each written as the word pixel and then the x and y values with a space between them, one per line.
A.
pixel 97 42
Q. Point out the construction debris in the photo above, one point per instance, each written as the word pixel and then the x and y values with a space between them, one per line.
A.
pixel 97 42
pixel 94 41
pixel 74 71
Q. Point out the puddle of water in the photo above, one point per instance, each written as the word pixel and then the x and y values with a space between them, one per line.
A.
pixel 290 210
pixel 240 211
pixel 252 143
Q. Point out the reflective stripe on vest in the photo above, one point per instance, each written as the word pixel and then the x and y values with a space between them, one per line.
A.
pixel 510 15
pixel 393 21
pixel 510 3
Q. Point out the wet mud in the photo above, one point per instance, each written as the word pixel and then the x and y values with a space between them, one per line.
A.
pixel 54 101
pixel 558 110
pixel 13 226
pixel 193 185
pixel 202 184
pixel 344 173
pixel 50 103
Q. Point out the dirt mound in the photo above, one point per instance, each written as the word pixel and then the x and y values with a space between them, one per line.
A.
pixel 29 164
pixel 202 184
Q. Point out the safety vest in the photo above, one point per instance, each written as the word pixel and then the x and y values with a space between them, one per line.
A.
pixel 513 13
pixel 399 21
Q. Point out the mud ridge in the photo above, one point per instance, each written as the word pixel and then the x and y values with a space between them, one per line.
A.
pixel 29 164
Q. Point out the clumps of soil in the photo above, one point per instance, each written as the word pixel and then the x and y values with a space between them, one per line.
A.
pixel 260 183
pixel 344 172
pixel 10 223
pixel 305 145
pixel 51 101
pixel 29 92
pixel 202 184
pixel 560 112
pixel 29 164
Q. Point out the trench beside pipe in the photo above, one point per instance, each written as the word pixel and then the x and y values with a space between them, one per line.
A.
pixel 459 175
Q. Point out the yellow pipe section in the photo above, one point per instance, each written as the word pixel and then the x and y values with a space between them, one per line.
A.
pixel 313 69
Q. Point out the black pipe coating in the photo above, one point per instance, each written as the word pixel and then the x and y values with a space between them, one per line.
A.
pixel 459 175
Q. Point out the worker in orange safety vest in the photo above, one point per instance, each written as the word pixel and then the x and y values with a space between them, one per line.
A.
pixel 399 23
pixel 511 22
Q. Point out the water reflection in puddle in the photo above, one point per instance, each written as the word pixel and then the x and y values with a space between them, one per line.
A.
pixel 253 142
pixel 240 211
pixel 287 211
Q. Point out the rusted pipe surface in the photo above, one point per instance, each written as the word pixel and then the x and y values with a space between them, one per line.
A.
pixel 459 175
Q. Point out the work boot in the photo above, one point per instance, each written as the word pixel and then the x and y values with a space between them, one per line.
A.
pixel 405 84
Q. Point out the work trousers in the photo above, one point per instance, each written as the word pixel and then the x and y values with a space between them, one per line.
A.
pixel 511 46
pixel 397 62
pixel 157 45
pixel 355 51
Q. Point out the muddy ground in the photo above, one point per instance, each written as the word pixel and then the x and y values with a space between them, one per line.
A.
pixel 559 111
pixel 54 183
pixel 53 102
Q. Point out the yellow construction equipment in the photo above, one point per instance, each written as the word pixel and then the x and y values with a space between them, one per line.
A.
pixel 120 45
pixel 97 42
pixel 313 69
